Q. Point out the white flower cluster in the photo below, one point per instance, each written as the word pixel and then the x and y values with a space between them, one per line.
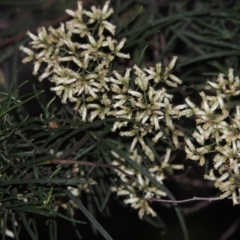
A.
pixel 148 104
pixel 218 133
pixel 77 58
pixel 138 193
pixel 80 70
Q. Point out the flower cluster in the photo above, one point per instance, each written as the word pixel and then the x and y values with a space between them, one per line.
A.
pixel 148 104
pixel 77 58
pixel 139 192
pixel 80 71
pixel 217 132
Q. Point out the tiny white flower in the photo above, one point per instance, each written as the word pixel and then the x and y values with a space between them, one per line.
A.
pixel 172 63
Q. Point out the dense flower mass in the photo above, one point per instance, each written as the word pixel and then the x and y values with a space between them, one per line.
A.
pixel 138 193
pixel 77 58
pixel 217 132
pixel 79 69
pixel 80 72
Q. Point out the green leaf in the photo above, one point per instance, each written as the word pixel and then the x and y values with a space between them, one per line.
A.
pixel 52 223
pixel 88 215
pixel 14 225
pixel 9 102
pixel 3 224
pixel 27 225
pixel 209 56
pixel 54 181
pixel 134 16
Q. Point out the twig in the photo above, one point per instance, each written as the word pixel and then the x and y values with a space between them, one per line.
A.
pixel 210 199
pixel 231 230
pixel 66 154
pixel 104 165
pixel 77 145
pixel 39 149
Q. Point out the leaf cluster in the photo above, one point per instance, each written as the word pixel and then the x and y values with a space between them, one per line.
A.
pixel 30 185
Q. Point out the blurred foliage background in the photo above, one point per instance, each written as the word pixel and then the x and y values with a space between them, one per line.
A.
pixel 204 34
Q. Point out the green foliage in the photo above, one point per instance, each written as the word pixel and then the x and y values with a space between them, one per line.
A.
pixel 27 186
pixel 116 139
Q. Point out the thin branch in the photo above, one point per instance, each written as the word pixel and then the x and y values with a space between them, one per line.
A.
pixel 77 145
pixel 92 164
pixel 39 149
pixel 231 230
pixel 210 199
